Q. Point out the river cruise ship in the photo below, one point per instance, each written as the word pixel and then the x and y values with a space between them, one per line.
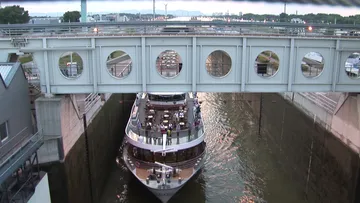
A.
pixel 164 145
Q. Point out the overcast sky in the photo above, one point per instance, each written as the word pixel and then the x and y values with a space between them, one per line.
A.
pixel 207 7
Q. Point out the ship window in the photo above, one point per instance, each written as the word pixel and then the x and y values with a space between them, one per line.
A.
pixel 148 157
pixel 170 157
pixel 182 155
pixel 177 97
pixel 4 131
pixel 159 157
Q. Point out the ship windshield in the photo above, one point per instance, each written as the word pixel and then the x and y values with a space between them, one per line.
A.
pixel 176 97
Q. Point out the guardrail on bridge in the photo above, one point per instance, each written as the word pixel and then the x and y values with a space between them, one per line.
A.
pixel 197 28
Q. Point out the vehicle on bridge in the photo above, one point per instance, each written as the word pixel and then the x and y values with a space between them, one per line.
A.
pixel 178 29
pixel 352 65
pixel 164 145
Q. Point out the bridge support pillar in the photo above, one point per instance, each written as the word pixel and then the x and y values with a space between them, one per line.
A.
pixel 48 116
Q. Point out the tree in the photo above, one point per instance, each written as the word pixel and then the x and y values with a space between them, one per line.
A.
pixel 283 17
pixel 14 15
pixel 71 16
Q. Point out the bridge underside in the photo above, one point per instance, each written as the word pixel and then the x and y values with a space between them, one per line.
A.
pixel 124 88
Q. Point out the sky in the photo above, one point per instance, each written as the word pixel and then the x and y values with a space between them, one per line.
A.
pixel 207 7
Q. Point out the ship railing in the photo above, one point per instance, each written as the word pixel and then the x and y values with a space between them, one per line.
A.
pixel 181 165
pixel 142 131
pixel 131 28
pixel 195 133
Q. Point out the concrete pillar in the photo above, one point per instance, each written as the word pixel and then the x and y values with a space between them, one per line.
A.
pixel 83 11
pixel 48 116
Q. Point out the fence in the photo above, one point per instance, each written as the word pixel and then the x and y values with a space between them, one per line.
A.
pixel 159 28
pixel 321 100
pixel 32 73
pixel 17 151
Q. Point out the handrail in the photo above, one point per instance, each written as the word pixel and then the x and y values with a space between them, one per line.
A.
pixel 90 101
pixel 173 132
pixel 35 139
pixel 179 23
pixel 181 164
pixel 155 28
pixel 8 141
pixel 321 100
pixel 16 148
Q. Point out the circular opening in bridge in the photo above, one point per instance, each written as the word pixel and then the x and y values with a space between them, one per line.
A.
pixel 169 64
pixel 119 64
pixel 29 66
pixel 267 64
pixel 71 64
pixel 218 63
pixel 352 65
pixel 312 64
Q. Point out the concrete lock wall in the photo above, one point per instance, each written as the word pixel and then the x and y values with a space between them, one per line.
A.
pixel 69 181
pixel 325 169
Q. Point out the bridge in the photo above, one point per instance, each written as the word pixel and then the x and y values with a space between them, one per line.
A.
pixel 210 57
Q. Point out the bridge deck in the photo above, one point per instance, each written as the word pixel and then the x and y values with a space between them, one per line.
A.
pixel 243 43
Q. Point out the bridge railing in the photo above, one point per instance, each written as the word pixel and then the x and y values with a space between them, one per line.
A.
pixel 31 73
pixel 321 100
pixel 182 28
pixel 84 105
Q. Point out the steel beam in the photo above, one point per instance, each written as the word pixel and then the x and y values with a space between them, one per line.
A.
pixel 291 64
pixel 194 67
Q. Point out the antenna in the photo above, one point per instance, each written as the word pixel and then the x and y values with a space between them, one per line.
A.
pixel 165 11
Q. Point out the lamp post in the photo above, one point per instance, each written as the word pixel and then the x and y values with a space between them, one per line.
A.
pixel 165 11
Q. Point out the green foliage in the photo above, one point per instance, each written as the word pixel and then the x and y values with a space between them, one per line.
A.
pixel 115 54
pixel 304 67
pixel 71 16
pixel 14 15
pixel 25 59
pixel 66 58
pixel 284 17
pixel 130 30
pixel 309 18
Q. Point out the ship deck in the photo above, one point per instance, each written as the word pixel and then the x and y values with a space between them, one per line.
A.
pixel 153 114
pixel 186 173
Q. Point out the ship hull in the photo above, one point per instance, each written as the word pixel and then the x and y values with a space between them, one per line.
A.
pixel 164 194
